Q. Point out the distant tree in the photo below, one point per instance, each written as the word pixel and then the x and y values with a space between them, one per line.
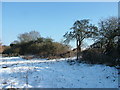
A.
pixel 60 48
pixel 81 30
pixel 39 40
pixel 29 36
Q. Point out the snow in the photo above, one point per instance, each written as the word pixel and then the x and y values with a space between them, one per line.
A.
pixel 16 72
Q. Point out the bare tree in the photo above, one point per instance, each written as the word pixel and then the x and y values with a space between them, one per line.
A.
pixel 109 33
pixel 81 30
pixel 29 36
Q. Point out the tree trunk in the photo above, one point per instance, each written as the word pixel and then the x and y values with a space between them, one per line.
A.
pixel 109 47
pixel 77 50
pixel 118 47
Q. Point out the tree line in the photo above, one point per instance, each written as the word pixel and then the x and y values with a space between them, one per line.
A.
pixel 31 43
pixel 106 36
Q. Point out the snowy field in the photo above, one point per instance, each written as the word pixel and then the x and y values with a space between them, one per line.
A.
pixel 41 73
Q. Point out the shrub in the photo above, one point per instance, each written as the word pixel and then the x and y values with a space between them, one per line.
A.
pixel 91 56
pixel 95 56
pixel 7 50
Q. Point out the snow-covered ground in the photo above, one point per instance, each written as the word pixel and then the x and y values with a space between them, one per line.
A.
pixel 40 73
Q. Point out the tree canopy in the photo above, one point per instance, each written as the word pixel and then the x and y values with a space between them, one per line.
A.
pixel 82 29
